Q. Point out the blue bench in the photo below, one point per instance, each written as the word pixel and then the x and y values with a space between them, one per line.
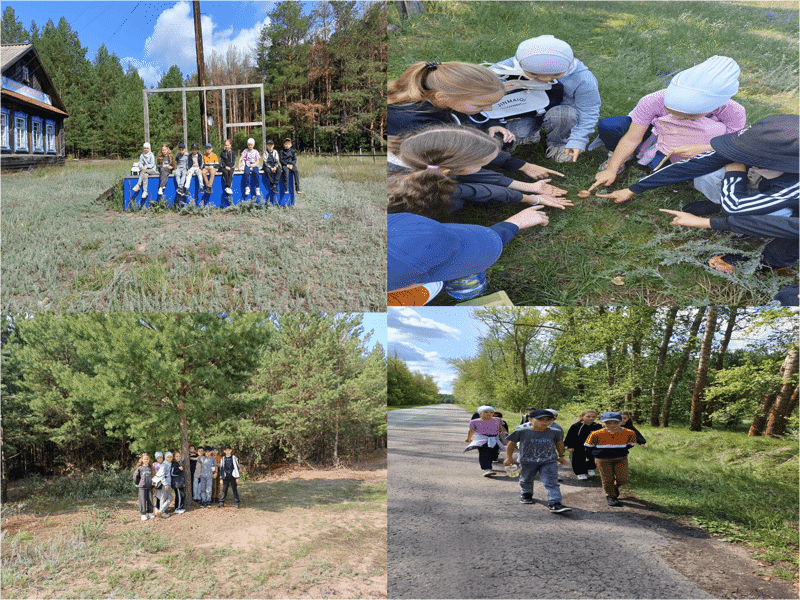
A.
pixel 217 197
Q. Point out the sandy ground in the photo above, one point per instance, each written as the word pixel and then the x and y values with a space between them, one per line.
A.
pixel 298 548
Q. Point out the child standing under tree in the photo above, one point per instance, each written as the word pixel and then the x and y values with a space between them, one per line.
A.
pixel 610 446
pixel 486 433
pixel 208 469
pixel 164 494
pixel 583 464
pixel 541 450
pixel 229 471
pixel 289 163
pixel 143 478
pixel 178 483
pixel 196 472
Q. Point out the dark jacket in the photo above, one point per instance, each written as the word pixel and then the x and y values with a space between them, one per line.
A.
pixel 270 160
pixel 178 476
pixel 288 157
pixel 227 159
pixel 143 477
pixel 578 432
pixel 639 437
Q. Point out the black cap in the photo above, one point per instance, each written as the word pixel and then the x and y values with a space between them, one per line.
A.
pixel 540 414
pixel 195 147
pixel 770 143
pixel 226 447
pixel 181 145
pixel 209 145
pixel 270 142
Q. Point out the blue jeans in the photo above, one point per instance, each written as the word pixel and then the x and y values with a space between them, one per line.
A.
pixel 548 473
pixel 251 175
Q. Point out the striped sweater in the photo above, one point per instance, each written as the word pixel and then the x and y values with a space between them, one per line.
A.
pixel 603 444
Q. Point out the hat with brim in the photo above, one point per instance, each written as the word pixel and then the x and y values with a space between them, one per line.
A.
pixel 484 408
pixel 421 250
pixel 610 416
pixel 771 143
pixel 540 413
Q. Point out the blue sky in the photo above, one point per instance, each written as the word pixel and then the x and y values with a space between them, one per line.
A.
pixel 376 322
pixel 152 36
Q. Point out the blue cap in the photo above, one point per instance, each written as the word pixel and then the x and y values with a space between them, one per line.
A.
pixel 540 413
pixel 421 250
pixel 610 416
pixel 159 454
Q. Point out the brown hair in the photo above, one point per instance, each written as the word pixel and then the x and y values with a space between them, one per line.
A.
pixel 580 416
pixel 140 463
pixel 433 154
pixel 168 154
pixel 456 80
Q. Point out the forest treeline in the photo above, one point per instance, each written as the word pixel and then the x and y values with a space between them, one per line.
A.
pixel 87 389
pixel 406 388
pixel 664 365
pixel 324 77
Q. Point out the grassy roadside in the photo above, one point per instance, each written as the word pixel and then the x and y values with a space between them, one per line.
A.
pixel 63 251
pixel 303 537
pixel 743 489
pixel 598 252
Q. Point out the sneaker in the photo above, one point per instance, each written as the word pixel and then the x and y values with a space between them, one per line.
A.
pixel 144 517
pixel 238 506
pixel 583 476
pixel 160 191
pixel 136 188
pixel 221 505
pixel 298 192
pixel 557 507
pixel 591 473
pixel 258 192
pixel 165 515
pixel 488 473
pixel 247 191
pixel 604 165
pixel 613 501
pixel 557 154
pixel 526 499
pixel 228 191
pixel 149 515
pixel 144 195
pixel 179 511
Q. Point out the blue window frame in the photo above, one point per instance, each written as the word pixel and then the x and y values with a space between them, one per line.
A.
pixel 5 135
pixel 37 134
pixel 50 136
pixel 20 132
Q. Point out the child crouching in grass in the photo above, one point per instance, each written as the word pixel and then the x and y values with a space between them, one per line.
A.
pixel 143 478
pixel 443 167
pixel 610 446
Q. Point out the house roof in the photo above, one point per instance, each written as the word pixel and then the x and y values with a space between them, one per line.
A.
pixel 27 100
pixel 11 53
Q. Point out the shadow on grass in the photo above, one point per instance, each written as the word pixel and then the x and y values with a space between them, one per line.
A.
pixel 337 493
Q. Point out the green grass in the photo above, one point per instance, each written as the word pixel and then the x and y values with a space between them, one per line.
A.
pixel 743 489
pixel 64 251
pixel 633 48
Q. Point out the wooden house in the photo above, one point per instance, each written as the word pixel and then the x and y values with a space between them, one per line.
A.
pixel 31 112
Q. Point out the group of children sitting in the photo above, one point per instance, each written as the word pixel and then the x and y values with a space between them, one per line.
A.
pixel 158 482
pixel 276 166
pixel 542 447
pixel 450 125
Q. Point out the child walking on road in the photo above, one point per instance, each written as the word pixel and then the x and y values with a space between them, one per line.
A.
pixel 541 450
pixel 583 464
pixel 610 446
pixel 484 434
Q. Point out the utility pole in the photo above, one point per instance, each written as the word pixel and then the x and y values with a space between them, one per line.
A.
pixel 201 75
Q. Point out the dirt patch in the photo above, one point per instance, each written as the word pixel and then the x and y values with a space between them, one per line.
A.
pixel 300 533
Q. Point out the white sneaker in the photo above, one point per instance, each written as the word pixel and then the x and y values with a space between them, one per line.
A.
pixel 591 473
pixel 179 511
pixel 136 188
pixel 160 191
pixel 583 477
pixel 144 517
pixel 144 195
pixel 258 192
pixel 488 473
pixel 149 515
pixel 557 154
pixel 228 191
pixel 247 191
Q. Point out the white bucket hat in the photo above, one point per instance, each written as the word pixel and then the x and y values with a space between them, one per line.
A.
pixel 704 87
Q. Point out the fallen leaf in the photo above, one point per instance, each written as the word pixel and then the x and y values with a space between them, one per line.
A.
pixel 618 280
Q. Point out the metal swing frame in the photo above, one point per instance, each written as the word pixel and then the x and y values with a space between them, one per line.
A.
pixel 204 89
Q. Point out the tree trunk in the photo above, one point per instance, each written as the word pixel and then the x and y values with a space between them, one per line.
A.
pixel 786 401
pixel 760 418
pixel 709 407
pixel 684 360
pixel 409 7
pixel 662 356
pixel 3 481
pixel 187 465
pixel 702 371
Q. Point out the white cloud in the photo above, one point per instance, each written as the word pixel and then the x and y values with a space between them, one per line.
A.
pixel 410 353
pixel 409 324
pixel 172 41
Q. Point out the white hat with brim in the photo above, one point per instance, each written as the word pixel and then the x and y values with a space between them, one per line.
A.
pixel 545 55
pixel 704 87
pixel 484 408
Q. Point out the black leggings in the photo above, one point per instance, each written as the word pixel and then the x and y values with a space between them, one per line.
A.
pixel 232 483
pixel 582 461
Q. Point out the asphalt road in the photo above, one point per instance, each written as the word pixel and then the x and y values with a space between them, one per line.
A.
pixel 456 534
